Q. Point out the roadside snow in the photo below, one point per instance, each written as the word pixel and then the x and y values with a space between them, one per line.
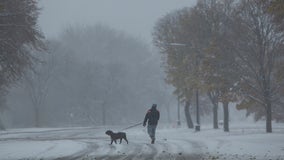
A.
pixel 242 142
pixel 38 149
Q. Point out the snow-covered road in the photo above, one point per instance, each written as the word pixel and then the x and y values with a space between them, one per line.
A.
pixel 250 142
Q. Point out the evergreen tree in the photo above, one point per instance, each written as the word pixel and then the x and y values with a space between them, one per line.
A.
pixel 19 34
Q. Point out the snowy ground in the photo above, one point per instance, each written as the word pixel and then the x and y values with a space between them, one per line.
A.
pixel 242 142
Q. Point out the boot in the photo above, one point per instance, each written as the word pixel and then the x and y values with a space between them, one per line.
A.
pixel 153 141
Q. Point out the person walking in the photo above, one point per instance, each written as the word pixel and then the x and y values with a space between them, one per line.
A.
pixel 152 116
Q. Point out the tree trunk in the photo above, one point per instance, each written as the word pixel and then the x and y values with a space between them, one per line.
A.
pixel 197 107
pixel 187 115
pixel 268 117
pixel 37 123
pixel 215 116
pixel 178 112
pixel 226 116
pixel 213 96
pixel 2 127
pixel 104 113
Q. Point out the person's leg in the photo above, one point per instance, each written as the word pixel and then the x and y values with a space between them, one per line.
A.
pixel 151 132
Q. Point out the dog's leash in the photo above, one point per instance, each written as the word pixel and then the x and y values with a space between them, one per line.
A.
pixel 132 126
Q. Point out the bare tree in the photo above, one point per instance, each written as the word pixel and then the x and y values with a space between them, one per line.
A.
pixel 171 29
pixel 37 84
pixel 218 63
pixel 259 47
pixel 193 68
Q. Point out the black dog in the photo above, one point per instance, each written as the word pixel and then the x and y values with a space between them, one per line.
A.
pixel 115 136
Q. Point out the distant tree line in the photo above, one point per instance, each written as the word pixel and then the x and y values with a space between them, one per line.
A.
pixel 87 76
pixel 231 51
pixel 91 75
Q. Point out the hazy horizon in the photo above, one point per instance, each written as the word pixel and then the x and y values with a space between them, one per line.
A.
pixel 136 18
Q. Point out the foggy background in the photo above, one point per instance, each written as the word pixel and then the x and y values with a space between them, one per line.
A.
pixel 100 69
pixel 134 17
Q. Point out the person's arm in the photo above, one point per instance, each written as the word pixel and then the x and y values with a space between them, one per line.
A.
pixel 158 115
pixel 145 119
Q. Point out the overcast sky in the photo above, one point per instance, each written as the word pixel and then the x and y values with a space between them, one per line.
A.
pixel 136 17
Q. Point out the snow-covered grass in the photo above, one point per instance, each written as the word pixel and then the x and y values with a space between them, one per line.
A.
pixel 244 141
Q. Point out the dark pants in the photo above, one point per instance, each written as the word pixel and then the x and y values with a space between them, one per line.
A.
pixel 151 131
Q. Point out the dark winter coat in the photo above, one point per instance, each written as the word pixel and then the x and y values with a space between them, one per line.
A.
pixel 152 116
